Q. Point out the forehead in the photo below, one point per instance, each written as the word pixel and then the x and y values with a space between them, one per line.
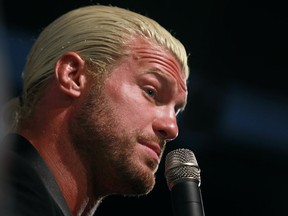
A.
pixel 146 52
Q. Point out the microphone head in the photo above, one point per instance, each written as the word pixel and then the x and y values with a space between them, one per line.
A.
pixel 181 165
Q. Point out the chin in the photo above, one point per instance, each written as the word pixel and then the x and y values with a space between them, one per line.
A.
pixel 144 182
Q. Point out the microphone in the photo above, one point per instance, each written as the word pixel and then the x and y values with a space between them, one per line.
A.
pixel 183 179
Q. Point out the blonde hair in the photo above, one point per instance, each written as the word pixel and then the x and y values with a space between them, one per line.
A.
pixel 98 33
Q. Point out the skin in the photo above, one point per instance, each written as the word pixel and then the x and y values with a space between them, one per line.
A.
pixel 108 140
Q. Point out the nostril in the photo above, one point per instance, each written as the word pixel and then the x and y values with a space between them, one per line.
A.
pixel 163 134
pixel 167 134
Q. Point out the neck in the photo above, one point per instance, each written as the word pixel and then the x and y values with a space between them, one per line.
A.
pixel 69 171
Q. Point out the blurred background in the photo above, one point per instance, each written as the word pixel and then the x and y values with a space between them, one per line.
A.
pixel 236 121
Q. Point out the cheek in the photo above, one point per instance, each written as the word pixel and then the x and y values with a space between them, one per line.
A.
pixel 130 106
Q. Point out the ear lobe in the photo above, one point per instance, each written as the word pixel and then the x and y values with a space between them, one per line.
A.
pixel 69 72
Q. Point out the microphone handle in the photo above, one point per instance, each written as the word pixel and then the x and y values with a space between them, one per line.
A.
pixel 187 199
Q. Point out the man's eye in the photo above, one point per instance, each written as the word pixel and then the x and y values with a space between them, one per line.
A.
pixel 150 92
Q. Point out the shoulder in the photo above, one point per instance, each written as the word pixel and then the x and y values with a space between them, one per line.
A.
pixel 23 185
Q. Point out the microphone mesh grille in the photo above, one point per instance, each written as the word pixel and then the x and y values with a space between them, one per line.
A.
pixel 181 164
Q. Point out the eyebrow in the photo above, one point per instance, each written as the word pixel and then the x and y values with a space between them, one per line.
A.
pixel 166 78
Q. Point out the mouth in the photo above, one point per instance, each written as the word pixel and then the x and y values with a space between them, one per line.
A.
pixel 155 148
pixel 154 151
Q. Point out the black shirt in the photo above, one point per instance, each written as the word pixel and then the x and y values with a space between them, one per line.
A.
pixel 31 188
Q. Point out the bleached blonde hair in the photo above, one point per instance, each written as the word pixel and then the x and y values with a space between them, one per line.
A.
pixel 98 33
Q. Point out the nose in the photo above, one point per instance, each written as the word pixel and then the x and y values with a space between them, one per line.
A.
pixel 165 126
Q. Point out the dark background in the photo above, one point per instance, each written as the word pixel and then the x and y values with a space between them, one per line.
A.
pixel 236 121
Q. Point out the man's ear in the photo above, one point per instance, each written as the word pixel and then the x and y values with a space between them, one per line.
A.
pixel 69 72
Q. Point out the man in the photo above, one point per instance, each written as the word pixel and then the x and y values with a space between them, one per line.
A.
pixel 102 88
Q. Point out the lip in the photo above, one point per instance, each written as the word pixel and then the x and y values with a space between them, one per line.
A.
pixel 155 148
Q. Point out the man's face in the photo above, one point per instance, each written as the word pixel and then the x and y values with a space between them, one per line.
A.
pixel 121 131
